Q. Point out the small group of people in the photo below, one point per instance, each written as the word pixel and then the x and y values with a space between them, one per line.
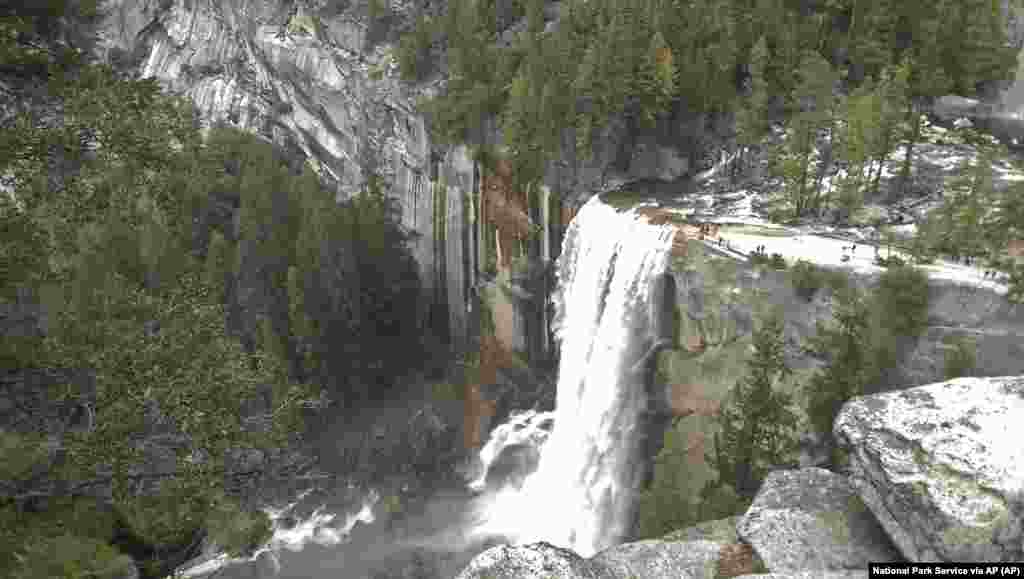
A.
pixel 759 250
pixel 991 274
pixel 847 250
pixel 705 230
pixel 723 242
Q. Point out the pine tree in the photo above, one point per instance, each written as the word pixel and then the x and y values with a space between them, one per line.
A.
pixel 969 194
pixel 928 78
pixel 590 86
pixel 298 320
pixel 868 36
pixel 314 262
pixel 156 254
pixel 975 49
pixel 656 79
pixel 270 342
pixel 663 506
pixel 845 348
pixel 1008 220
pixel 859 132
pixel 893 89
pixel 815 102
pixel 757 423
pixel 752 115
pixel 218 258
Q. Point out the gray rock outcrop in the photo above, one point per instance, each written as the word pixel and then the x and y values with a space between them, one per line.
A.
pixel 535 561
pixel 941 467
pixel 689 560
pixel 812 519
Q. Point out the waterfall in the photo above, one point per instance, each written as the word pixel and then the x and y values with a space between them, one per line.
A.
pixel 583 491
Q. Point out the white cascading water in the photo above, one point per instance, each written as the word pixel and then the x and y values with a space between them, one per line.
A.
pixel 582 494
pixel 320 527
pixel 522 428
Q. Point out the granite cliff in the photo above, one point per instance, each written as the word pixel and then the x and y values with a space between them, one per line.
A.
pixel 319 79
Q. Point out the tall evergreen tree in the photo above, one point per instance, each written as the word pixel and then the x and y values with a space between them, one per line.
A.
pixel 975 49
pixel 967 200
pixel 814 103
pixel 893 90
pixel 218 264
pixel 656 79
pixel 857 138
pixel 752 116
pixel 757 424
pixel 845 347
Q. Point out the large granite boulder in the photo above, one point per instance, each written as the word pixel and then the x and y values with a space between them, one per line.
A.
pixel 723 530
pixel 813 519
pixel 653 559
pixel 941 467
pixel 650 559
pixel 534 561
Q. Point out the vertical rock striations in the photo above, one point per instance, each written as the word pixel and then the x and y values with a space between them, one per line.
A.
pixel 303 75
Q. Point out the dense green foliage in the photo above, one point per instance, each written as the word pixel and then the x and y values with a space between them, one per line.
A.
pixel 105 244
pixel 845 347
pixel 167 320
pixel 901 301
pixel 849 82
pixel 641 59
pixel 863 340
pixel 774 261
pixel 808 278
pixel 757 423
pixel 977 220
pixel 756 432
pixel 332 314
pixel 665 505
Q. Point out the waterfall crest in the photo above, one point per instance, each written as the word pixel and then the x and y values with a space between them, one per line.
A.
pixel 583 491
